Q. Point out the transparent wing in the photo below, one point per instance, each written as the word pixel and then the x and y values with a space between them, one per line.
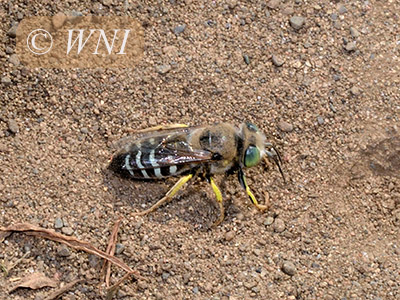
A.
pixel 162 149
pixel 139 135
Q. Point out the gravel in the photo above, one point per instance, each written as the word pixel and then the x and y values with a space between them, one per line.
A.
pixel 334 211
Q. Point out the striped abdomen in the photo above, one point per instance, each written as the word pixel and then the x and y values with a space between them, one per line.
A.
pixel 147 159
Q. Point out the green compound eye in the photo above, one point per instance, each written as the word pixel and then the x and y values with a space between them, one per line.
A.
pixel 251 127
pixel 252 156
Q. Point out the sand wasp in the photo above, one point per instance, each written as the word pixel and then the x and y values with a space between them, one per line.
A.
pixel 179 150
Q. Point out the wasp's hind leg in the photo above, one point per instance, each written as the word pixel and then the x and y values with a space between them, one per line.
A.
pixel 159 127
pixel 243 183
pixel 168 196
pixel 218 196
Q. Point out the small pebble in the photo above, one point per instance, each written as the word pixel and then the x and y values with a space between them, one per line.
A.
pixel 13 126
pixel 354 32
pixel 355 91
pixel 268 221
pixel 288 268
pixel 277 61
pixel 165 275
pixel 342 9
pixel 58 223
pixel 163 69
pixel 350 47
pixel 179 29
pixel 152 121
pixel 279 225
pixel 273 4
pixel 288 11
pixel 9 50
pixel 246 59
pixel 285 126
pixel 297 22
pixel 230 235
pixel 13 31
pixel 195 290
pixel 320 120
pixel 6 80
pixel 315 265
pixel 119 248
pixel 84 130
pixel 63 251
pixel 67 230
pixel 93 261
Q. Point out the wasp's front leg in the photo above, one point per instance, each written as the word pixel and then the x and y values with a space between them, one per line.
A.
pixel 243 183
pixel 181 182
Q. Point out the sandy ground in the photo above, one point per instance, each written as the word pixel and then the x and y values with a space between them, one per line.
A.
pixel 325 90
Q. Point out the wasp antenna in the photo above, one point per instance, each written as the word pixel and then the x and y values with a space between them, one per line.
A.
pixel 276 157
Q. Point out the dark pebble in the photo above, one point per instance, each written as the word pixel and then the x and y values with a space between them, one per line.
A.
pixel 179 29
pixel 63 251
pixel 119 248
pixel 13 31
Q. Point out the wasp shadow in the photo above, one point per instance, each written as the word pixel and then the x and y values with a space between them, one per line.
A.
pixel 195 203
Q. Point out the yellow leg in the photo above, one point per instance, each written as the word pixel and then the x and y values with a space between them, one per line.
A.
pixel 167 196
pixel 160 127
pixel 218 195
pixel 250 194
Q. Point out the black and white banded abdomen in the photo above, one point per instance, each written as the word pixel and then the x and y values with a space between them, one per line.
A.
pixel 145 163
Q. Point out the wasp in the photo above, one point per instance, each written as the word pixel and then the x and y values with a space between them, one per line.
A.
pixel 205 151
